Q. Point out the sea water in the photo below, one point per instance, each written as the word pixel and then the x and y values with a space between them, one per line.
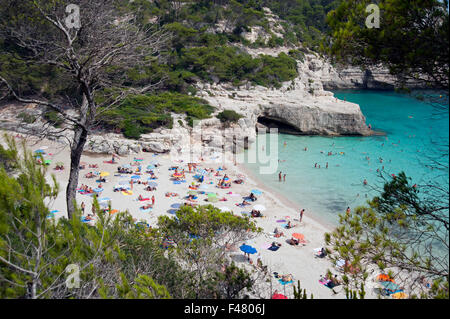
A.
pixel 416 134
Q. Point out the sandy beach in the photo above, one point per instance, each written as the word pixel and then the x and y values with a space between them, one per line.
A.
pixel 296 260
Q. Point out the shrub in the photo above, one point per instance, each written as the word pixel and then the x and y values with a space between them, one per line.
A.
pixel 229 116
pixel 27 118
pixel 53 118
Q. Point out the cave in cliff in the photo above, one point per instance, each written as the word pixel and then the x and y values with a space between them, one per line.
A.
pixel 282 126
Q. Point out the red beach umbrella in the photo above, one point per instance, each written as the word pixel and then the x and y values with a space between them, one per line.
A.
pixel 279 296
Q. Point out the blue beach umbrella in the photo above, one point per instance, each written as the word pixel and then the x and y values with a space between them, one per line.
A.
pixel 248 249
pixel 98 190
pixel 390 285
pixel 39 151
pixel 135 177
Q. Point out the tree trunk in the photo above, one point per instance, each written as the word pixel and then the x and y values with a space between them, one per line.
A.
pixel 76 149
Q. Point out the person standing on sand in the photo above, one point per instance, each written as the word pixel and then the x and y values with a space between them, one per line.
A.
pixel 279 176
pixel 83 206
pixel 131 184
pixel 284 177
pixel 153 200
pixel 301 214
pixel 347 211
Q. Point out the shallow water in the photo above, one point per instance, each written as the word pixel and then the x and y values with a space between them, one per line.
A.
pixel 413 131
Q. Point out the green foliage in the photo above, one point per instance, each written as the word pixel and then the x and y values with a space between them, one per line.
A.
pixel 27 118
pixel 412 40
pixel 201 235
pixel 53 118
pixel 229 116
pixel 398 231
pixel 140 114
pixel 298 294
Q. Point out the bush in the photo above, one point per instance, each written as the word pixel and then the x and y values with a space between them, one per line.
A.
pixel 27 118
pixel 53 118
pixel 229 116
pixel 141 114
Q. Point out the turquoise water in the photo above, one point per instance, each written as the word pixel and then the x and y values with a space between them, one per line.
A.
pixel 413 129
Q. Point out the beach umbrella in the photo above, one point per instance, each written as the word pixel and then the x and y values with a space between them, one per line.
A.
pixel 152 184
pixel 248 249
pixel 279 296
pixel 98 190
pixel 390 285
pixel 399 295
pixel 298 236
pixel 259 207
pixel 103 174
pixel 172 211
pixel 176 205
pixel 256 192
pixel 40 151
pixel 138 159
pixel 135 177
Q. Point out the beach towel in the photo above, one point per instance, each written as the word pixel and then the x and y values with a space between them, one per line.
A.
pixel 127 193
pixel 285 282
pixel 274 248
pixel 109 162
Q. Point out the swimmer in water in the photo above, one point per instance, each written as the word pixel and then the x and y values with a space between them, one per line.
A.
pixel 284 143
pixel 365 182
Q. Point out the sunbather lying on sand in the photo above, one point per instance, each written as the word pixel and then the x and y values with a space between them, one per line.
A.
pixel 168 194
pixel 256 213
pixel 277 233
pixel 147 206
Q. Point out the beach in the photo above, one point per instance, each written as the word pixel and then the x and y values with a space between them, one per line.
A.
pixel 296 260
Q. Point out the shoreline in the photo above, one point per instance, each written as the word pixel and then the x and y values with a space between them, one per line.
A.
pixel 284 199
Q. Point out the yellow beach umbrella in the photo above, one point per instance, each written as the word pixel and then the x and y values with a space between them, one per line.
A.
pixel 399 295
pixel 103 174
